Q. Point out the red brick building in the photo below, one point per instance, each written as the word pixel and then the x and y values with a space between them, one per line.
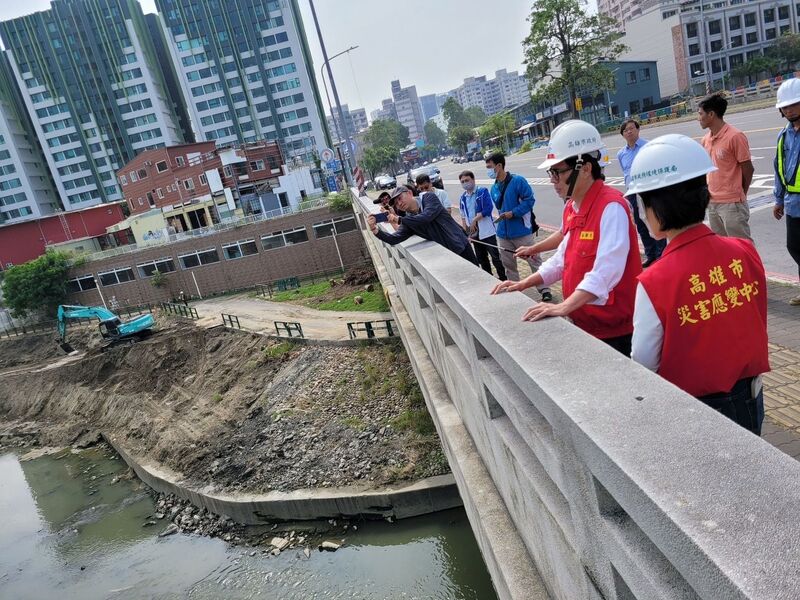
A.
pixel 26 240
pixel 188 182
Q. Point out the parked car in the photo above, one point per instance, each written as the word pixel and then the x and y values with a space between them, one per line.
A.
pixel 430 171
pixel 385 182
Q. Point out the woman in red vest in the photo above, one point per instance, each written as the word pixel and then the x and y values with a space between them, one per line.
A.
pixel 701 310
pixel 598 257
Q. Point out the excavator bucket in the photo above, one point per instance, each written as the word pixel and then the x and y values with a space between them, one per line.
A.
pixel 67 348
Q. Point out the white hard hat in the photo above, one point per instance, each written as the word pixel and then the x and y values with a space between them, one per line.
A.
pixel 571 138
pixel 667 160
pixel 788 93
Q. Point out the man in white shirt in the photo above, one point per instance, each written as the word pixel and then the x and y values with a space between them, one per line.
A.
pixel 424 184
pixel 475 207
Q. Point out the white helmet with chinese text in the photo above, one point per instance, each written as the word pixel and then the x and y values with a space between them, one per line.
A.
pixel 788 93
pixel 572 138
pixel 667 160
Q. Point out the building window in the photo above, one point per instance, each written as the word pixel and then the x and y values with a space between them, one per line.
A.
pixel 227 170
pixel 752 37
pixel 239 249
pixel 770 33
pixel 735 60
pixel 257 165
pixel 716 45
pixel 150 200
pixel 327 228
pixel 274 240
pixel 141 203
pixel 736 41
pixel 202 178
pixel 196 259
pixel 160 193
pixel 161 166
pixel 123 180
pixel 769 15
pixel 714 27
pixel 644 74
pixel 630 77
pixel 188 183
pixel 116 276
pixel 694 49
pixel 179 161
pixel 81 284
pixel 783 13
pixel 634 107
pixel 691 30
pixel 735 22
pixel 750 20
pixel 162 265
pixel 295 236
pixel 647 102
pixel 786 29
pixel 716 66
pixel 133 176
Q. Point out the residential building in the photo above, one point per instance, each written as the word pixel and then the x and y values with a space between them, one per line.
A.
pixel 245 70
pixel 26 190
pixel 636 90
pixel 621 11
pixel 493 95
pixel 356 120
pixel 387 111
pixel 430 108
pixel 408 109
pixel 93 89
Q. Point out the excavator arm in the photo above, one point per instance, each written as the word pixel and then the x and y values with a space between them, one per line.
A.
pixel 110 324
pixel 66 312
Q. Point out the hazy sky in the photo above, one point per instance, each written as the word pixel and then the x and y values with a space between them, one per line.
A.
pixel 433 44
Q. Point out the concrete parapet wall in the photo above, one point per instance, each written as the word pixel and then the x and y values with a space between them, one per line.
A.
pixel 616 484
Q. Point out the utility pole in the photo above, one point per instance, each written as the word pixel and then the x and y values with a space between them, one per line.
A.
pixel 348 171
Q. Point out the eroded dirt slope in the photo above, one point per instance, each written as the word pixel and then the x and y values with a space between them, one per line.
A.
pixel 238 411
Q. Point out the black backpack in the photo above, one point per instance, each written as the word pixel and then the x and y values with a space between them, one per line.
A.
pixel 534 224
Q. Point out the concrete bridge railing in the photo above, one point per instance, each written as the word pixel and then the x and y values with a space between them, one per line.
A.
pixel 583 474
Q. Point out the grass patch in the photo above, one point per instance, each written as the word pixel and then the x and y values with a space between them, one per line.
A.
pixel 217 397
pixel 354 422
pixel 278 350
pixel 303 292
pixel 374 301
pixel 414 419
pixel 324 297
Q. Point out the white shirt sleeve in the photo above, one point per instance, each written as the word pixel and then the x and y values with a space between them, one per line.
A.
pixel 612 254
pixel 553 268
pixel 648 333
pixel 443 198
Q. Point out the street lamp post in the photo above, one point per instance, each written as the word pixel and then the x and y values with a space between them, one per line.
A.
pixel 336 123
pixel 348 171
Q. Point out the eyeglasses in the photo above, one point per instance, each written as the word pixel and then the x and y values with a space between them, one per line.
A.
pixel 556 173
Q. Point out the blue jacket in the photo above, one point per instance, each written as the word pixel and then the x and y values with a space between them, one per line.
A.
pixel 433 223
pixel 518 200
pixel 483 202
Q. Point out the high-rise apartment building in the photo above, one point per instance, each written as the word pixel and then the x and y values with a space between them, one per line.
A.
pixel 408 109
pixel 356 120
pixel 621 11
pixel 26 190
pixel 386 112
pixel 92 86
pixel 429 106
pixel 493 95
pixel 245 70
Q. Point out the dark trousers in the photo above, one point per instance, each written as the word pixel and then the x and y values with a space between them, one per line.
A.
pixel 468 254
pixel 483 253
pixel 652 248
pixel 620 344
pixel 793 238
pixel 739 405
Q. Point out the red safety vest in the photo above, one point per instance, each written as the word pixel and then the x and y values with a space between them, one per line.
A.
pixel 615 318
pixel 710 294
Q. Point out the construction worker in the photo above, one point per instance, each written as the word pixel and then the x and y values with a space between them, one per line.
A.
pixel 598 257
pixel 787 179
pixel 701 310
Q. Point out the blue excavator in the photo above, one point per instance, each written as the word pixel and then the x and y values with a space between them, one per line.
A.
pixel 112 328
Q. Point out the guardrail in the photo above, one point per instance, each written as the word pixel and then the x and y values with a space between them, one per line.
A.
pixel 371 328
pixel 179 310
pixel 581 471
pixel 231 321
pixel 289 328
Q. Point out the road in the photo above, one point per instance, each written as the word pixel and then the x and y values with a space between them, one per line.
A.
pixel 760 126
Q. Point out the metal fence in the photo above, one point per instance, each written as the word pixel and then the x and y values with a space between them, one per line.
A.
pixel 180 310
pixel 371 328
pixel 289 329
pixel 231 321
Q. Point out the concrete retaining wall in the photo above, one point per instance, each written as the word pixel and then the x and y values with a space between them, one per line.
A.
pixel 579 469
pixel 400 502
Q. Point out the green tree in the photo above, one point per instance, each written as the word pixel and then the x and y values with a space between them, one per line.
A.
pixel 459 136
pixel 563 47
pixel 434 135
pixel 500 126
pixel 750 71
pixel 454 114
pixel 475 115
pixel 378 159
pixel 385 133
pixel 786 52
pixel 37 285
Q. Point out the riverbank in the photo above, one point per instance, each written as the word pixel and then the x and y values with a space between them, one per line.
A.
pixel 233 412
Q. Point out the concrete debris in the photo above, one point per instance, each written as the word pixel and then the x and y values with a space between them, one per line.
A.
pixel 329 546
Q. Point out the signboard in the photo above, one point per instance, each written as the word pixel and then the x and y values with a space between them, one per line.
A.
pixel 539 116
pixel 547 112
pixel 420 143
pixel 326 155
pixel 334 165
pixel 332 187
pixel 559 108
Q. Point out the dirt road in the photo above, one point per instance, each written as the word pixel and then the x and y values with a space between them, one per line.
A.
pixel 259 316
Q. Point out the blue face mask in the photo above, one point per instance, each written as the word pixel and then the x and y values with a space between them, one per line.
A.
pixel 468 186
pixel 491 174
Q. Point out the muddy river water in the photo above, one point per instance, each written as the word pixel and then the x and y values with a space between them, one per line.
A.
pixel 67 532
